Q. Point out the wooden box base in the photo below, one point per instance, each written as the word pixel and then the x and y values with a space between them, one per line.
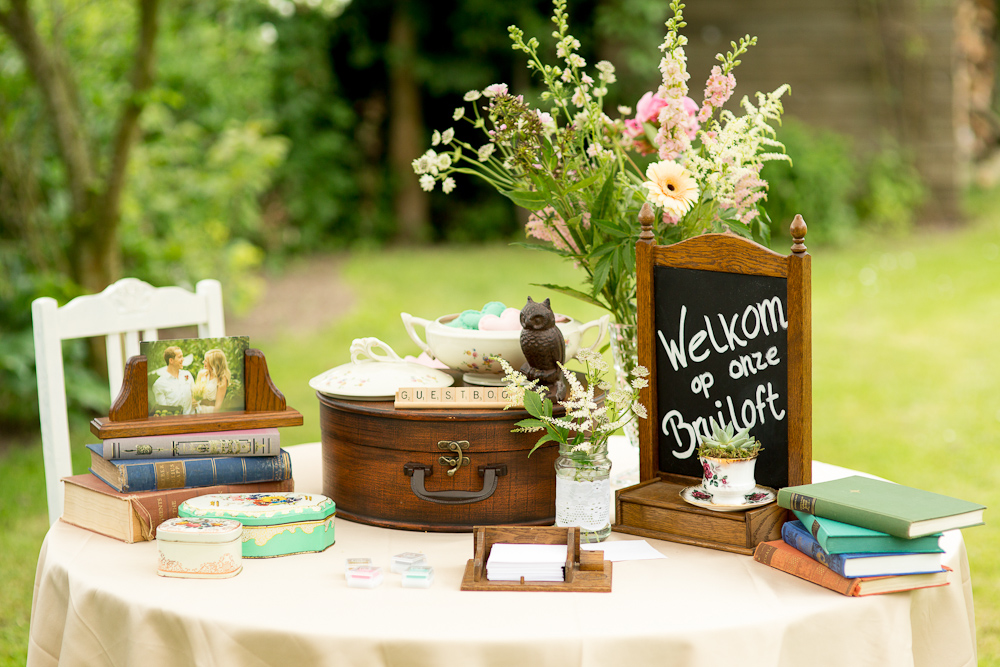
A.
pixel 654 509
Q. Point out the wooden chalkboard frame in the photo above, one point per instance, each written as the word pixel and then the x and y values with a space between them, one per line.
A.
pixel 129 415
pixel 653 507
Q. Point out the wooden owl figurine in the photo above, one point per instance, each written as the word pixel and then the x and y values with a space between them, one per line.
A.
pixel 544 348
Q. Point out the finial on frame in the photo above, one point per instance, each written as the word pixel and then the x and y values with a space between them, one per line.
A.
pixel 798 230
pixel 646 222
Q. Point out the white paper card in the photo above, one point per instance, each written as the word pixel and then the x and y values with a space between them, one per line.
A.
pixel 527 553
pixel 620 550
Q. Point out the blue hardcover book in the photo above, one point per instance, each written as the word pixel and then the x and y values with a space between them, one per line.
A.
pixel 853 565
pixel 129 476
pixel 836 537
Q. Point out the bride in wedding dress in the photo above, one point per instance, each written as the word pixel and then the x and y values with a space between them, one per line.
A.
pixel 214 379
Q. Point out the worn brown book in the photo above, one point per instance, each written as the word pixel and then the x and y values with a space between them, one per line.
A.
pixel 133 517
pixel 781 556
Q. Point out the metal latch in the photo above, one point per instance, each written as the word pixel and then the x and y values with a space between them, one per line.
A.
pixel 457 461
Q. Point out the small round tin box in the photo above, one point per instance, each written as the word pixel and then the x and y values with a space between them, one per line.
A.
pixel 200 548
pixel 274 524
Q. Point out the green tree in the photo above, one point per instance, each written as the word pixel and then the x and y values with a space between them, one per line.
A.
pixel 202 156
pixel 95 169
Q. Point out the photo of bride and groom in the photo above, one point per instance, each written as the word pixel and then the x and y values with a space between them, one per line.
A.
pixel 195 375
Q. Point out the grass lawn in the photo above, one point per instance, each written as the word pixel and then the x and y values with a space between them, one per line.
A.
pixel 905 375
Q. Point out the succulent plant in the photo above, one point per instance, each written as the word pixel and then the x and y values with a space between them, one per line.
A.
pixel 727 443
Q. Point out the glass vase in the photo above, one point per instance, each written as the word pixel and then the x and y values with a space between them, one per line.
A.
pixel 625 357
pixel 583 492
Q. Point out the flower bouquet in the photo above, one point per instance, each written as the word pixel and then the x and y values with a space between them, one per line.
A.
pixel 587 424
pixel 584 175
pixel 583 470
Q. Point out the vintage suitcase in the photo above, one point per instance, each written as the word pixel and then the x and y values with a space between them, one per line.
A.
pixel 434 470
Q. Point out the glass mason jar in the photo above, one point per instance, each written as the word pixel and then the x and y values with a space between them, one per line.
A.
pixel 583 492
pixel 625 355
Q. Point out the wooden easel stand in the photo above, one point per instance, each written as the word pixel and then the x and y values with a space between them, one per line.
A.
pixel 129 416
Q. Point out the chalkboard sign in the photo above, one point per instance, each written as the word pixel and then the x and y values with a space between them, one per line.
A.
pixel 724 329
pixel 721 353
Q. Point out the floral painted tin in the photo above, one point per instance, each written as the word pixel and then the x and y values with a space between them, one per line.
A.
pixel 274 524
pixel 200 548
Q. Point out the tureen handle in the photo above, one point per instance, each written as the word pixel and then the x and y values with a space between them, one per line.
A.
pixel 602 328
pixel 408 322
pixel 365 347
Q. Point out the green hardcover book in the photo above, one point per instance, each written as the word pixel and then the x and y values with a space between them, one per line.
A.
pixel 890 508
pixel 836 537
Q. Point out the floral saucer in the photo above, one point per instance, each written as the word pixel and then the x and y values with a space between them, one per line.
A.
pixel 699 497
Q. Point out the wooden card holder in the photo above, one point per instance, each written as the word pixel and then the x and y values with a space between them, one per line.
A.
pixel 129 416
pixel 719 365
pixel 586 571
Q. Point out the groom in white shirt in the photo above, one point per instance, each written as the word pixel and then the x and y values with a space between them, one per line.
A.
pixel 173 388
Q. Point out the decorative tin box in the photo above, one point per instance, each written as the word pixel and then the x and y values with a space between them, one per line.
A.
pixel 200 548
pixel 274 524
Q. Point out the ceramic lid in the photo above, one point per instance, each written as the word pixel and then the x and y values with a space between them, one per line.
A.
pixel 260 509
pixel 374 376
pixel 193 529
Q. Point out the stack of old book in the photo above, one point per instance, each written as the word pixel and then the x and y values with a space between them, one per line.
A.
pixel 136 483
pixel 863 536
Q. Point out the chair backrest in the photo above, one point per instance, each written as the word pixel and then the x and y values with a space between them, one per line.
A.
pixel 120 313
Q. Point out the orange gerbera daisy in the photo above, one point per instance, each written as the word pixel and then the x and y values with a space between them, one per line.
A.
pixel 671 186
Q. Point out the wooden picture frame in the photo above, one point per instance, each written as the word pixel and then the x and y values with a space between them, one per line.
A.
pixel 265 406
pixel 654 508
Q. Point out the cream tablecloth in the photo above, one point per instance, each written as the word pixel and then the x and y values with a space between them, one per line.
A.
pixel 99 602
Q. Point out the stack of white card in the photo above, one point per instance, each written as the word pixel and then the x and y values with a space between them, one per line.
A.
pixel 534 562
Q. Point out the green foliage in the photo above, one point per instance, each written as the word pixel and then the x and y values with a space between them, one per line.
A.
pixel 837 192
pixel 894 192
pixel 191 206
pixel 821 184
pixel 323 178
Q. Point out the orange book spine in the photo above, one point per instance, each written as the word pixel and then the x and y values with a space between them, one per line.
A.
pixel 783 557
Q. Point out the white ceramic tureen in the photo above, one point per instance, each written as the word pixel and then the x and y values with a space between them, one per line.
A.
pixel 375 377
pixel 475 352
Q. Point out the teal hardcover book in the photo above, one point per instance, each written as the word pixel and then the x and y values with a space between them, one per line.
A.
pixel 836 537
pixel 860 564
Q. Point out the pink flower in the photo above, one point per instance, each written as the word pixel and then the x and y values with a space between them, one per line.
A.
pixel 495 89
pixel 718 90
pixel 691 107
pixel 678 127
pixel 547 225
pixel 649 107
pixel 646 111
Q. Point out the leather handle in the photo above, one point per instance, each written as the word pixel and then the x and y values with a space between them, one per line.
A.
pixel 490 474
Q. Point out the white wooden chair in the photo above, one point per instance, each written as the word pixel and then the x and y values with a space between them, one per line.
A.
pixel 120 313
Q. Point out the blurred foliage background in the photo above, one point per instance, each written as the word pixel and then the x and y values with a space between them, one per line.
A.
pixel 264 130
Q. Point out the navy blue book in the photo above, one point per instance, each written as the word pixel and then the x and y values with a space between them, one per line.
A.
pixel 852 565
pixel 130 475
